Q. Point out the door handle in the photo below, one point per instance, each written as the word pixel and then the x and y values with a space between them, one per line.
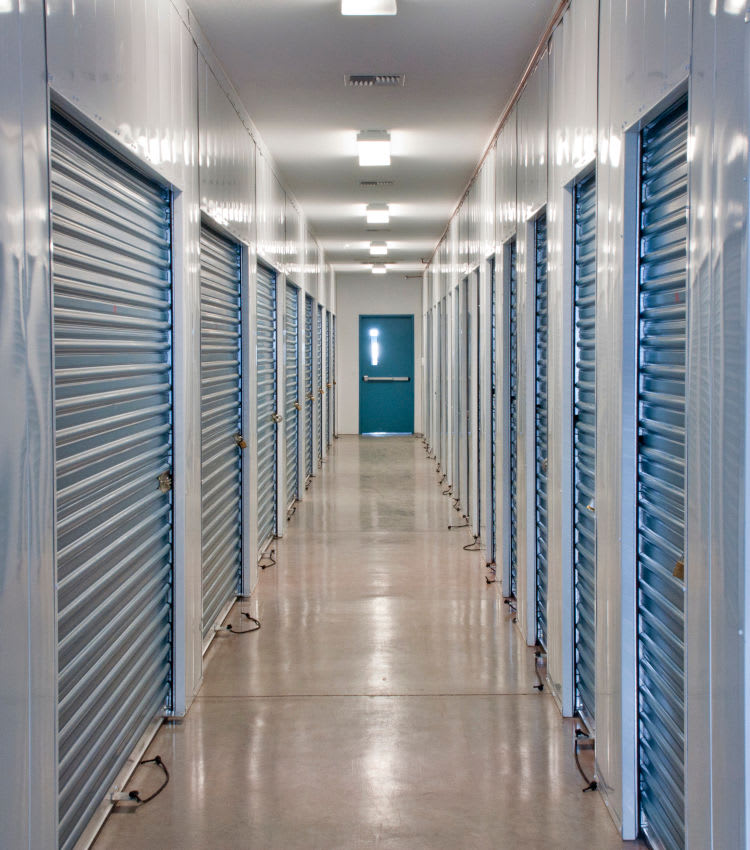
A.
pixel 369 379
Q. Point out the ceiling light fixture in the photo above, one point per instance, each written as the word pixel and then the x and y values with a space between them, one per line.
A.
pixel 368 7
pixel 374 147
pixel 378 214
pixel 379 268
pixel 378 249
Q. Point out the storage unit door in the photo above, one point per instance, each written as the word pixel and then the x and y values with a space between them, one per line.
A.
pixel 333 376
pixel 493 414
pixel 661 477
pixel 329 387
pixel 456 397
pixel 513 407
pixel 309 389
pixel 267 406
pixel 584 444
pixel 111 267
pixel 479 390
pixel 465 380
pixel 540 425
pixel 221 425
pixel 319 394
pixel 292 406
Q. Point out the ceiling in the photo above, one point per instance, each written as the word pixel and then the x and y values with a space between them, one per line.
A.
pixel 462 61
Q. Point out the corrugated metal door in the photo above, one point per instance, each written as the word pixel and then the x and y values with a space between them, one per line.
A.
pixel 661 477
pixel 333 375
pixel 293 407
pixel 309 389
pixel 111 264
pixel 540 424
pixel 513 407
pixel 493 412
pixel 584 444
pixel 319 403
pixel 328 377
pixel 221 425
pixel 268 417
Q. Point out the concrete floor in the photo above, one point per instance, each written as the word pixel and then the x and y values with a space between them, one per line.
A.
pixel 387 702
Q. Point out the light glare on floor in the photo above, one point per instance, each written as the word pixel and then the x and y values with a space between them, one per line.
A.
pixel 378 268
pixel 368 7
pixel 378 249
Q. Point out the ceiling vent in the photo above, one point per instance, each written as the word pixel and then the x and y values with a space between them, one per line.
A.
pixel 366 81
pixel 375 184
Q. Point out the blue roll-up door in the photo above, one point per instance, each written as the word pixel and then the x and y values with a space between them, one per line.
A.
pixel 320 393
pixel 268 417
pixel 333 375
pixel 584 444
pixel 513 409
pixel 292 392
pixel 540 424
pixel 493 413
pixel 221 426
pixel 661 477
pixel 309 389
pixel 112 288
pixel 329 385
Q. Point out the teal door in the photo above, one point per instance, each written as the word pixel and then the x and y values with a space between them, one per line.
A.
pixel 386 374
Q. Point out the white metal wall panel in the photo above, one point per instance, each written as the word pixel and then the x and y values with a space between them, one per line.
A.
pixel 292 404
pixel 309 390
pixel 294 253
pixel 661 476
pixel 506 176
pixel 227 158
pixel 584 445
pixel 113 409
pixel 541 436
pixel 267 413
pixel 221 425
pixel 28 805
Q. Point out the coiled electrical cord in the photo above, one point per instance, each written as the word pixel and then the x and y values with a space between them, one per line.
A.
pixel 591 784
pixel 135 795
pixel 231 628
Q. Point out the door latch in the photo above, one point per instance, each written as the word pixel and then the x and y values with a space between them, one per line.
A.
pixel 276 418
pixel 679 570
pixel 165 481
pixel 297 405
pixel 239 441
pixel 322 391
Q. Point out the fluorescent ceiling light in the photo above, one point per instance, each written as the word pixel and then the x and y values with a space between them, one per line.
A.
pixel 368 7
pixel 378 249
pixel 378 214
pixel 378 268
pixel 374 147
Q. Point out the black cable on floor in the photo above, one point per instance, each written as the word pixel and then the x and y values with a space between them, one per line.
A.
pixel 537 655
pixel 135 795
pixel 474 546
pixel 231 628
pixel 463 525
pixel 591 784
pixel 270 558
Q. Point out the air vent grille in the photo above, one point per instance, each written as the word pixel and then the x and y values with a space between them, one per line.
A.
pixel 375 184
pixel 366 81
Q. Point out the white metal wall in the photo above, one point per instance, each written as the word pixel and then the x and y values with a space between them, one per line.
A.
pixel 142 79
pixel 608 68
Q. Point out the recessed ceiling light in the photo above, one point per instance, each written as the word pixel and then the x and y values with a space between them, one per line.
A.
pixel 379 268
pixel 378 249
pixel 378 214
pixel 368 7
pixel 374 147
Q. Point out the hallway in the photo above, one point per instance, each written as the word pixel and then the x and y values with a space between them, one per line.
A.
pixel 386 702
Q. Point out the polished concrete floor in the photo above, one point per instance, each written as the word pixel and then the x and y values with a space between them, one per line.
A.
pixel 387 702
